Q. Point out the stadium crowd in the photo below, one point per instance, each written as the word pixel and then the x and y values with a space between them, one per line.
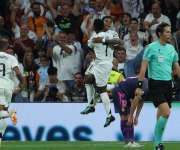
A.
pixel 49 38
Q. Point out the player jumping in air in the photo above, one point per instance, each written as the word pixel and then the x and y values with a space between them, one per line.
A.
pixel 97 73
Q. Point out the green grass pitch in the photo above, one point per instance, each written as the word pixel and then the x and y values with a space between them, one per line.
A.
pixel 59 145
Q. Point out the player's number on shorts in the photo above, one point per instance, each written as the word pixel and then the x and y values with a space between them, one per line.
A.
pixel 2 69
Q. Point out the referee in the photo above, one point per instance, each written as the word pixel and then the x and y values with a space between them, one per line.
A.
pixel 160 59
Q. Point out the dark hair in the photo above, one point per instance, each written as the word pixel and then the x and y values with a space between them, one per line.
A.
pixel 98 25
pixel 35 3
pixel 3 43
pixel 134 19
pixel 50 24
pixel 120 48
pixel 160 28
pixel 107 17
pixel 127 14
pixel 52 70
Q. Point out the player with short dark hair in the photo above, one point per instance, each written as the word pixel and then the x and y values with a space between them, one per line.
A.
pixel 97 74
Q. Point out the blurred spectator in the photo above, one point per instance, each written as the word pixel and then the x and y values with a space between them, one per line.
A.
pixel 43 76
pixel 63 55
pixel 134 28
pixel 153 19
pixel 23 43
pixel 31 76
pixel 36 22
pixel 133 46
pixel 66 21
pixel 120 55
pixel 77 93
pixel 133 7
pixel 54 89
pixel 4 32
pixel 124 27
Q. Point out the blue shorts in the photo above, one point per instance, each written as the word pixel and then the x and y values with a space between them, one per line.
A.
pixel 122 105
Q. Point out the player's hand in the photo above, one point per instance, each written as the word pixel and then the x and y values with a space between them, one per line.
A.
pixel 130 120
pixel 97 40
pixel 139 92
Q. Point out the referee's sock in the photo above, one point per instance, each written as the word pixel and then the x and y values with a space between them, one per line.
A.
pixel 159 130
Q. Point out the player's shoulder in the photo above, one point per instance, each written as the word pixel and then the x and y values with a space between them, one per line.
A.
pixel 8 56
pixel 111 32
pixel 101 34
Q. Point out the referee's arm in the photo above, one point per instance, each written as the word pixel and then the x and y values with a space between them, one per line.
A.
pixel 143 69
pixel 177 68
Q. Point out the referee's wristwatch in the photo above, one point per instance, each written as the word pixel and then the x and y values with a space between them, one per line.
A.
pixel 140 84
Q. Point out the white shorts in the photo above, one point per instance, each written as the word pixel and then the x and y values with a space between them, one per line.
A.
pixel 101 72
pixel 5 96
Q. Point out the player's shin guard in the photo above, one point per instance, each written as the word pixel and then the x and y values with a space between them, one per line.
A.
pixel 159 130
pixel 90 90
pixel 106 102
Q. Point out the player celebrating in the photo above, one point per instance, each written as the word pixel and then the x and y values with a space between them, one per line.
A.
pixel 160 57
pixel 99 70
pixel 8 65
pixel 125 103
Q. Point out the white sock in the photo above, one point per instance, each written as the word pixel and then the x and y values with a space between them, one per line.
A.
pixel 3 126
pixel 90 91
pixel 106 102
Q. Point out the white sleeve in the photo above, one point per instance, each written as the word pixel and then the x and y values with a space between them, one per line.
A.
pixel 56 50
pixel 90 43
pixel 115 34
pixel 148 18
pixel 14 62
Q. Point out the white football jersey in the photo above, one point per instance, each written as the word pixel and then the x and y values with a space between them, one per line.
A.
pixel 102 51
pixel 7 63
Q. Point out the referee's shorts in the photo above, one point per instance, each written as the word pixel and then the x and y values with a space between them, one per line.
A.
pixel 160 92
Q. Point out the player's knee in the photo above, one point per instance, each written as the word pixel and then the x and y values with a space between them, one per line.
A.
pixel 101 89
pixel 166 114
pixel 89 79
